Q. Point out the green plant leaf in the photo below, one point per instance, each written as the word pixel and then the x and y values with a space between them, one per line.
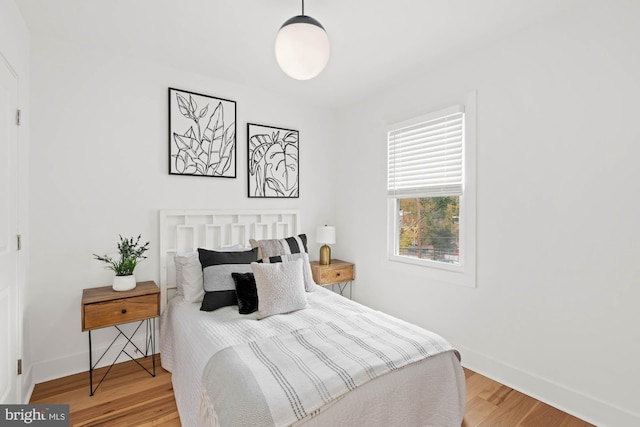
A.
pixel 131 252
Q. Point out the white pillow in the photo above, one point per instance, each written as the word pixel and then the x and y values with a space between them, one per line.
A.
pixel 189 276
pixel 280 287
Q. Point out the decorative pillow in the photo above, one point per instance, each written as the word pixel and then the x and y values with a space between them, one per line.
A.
pixel 246 292
pixel 291 248
pixel 215 300
pixel 189 281
pixel 219 287
pixel 309 284
pixel 274 247
pixel 189 276
pixel 280 287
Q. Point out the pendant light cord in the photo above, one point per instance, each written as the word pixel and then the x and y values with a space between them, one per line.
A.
pixel 302 7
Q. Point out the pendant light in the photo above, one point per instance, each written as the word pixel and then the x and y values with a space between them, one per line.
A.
pixel 302 47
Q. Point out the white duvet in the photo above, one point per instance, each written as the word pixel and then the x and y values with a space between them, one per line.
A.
pixel 426 393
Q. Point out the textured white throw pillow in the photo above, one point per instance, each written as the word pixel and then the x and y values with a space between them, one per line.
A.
pixel 280 287
pixel 189 276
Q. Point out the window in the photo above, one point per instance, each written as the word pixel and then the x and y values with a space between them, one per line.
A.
pixel 431 169
pixel 429 228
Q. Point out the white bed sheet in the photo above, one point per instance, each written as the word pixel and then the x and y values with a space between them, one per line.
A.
pixel 427 393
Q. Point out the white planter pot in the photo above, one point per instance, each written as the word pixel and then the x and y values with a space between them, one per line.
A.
pixel 124 283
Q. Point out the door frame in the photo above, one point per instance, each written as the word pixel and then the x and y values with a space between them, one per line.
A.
pixel 17 394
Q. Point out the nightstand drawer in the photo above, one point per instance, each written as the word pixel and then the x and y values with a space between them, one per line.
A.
pixel 118 311
pixel 332 273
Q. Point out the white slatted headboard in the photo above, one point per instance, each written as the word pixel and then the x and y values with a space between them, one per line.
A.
pixel 188 230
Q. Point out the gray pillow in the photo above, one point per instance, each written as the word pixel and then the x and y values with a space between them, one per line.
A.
pixel 218 277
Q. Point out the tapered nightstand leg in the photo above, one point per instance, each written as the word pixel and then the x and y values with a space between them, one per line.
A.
pixel 153 346
pixel 90 368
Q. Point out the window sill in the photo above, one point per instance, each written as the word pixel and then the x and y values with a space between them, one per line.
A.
pixel 439 271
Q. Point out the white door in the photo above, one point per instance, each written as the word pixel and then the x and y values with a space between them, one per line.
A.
pixel 9 332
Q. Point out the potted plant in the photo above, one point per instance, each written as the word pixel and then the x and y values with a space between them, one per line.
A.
pixel 131 252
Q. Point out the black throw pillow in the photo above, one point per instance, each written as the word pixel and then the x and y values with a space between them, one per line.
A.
pixel 246 292
pixel 215 300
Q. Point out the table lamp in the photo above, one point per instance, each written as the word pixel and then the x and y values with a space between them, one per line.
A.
pixel 326 235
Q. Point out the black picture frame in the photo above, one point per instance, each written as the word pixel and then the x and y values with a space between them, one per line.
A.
pixel 273 162
pixel 202 135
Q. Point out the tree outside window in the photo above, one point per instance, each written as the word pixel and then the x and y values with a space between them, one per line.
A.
pixel 430 229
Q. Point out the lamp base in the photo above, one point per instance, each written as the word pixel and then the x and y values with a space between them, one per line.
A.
pixel 325 255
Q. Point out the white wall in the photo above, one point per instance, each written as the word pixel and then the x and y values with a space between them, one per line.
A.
pixel 555 312
pixel 99 169
pixel 558 137
pixel 14 47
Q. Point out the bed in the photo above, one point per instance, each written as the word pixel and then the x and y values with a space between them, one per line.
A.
pixel 225 367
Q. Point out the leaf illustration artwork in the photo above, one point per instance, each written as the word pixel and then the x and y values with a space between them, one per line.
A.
pixel 273 162
pixel 202 135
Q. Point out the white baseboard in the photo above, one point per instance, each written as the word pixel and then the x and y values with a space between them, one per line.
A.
pixel 587 408
pixel 47 370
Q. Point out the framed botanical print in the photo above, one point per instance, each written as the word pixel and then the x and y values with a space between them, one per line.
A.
pixel 202 135
pixel 273 162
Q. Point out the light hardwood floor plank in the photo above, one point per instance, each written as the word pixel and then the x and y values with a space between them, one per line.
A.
pixel 491 404
pixel 130 397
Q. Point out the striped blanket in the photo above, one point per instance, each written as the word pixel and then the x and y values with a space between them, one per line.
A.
pixel 281 380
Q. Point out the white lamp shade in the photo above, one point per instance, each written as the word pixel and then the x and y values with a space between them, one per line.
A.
pixel 326 234
pixel 302 49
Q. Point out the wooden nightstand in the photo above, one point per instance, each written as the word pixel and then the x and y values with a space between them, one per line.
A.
pixel 103 307
pixel 339 273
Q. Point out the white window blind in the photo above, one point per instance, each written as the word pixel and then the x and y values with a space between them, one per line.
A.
pixel 425 157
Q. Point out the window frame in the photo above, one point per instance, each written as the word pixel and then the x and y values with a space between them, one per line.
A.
pixel 465 272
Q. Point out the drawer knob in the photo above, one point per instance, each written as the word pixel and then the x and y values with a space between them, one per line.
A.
pixel 338 274
pixel 124 311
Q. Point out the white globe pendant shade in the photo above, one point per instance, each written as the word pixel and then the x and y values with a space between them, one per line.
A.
pixel 302 48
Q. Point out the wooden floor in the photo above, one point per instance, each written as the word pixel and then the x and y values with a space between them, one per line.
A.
pixel 128 397
pixel 491 404
pixel 131 397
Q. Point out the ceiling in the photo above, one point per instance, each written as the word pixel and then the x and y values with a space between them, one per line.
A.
pixel 374 43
